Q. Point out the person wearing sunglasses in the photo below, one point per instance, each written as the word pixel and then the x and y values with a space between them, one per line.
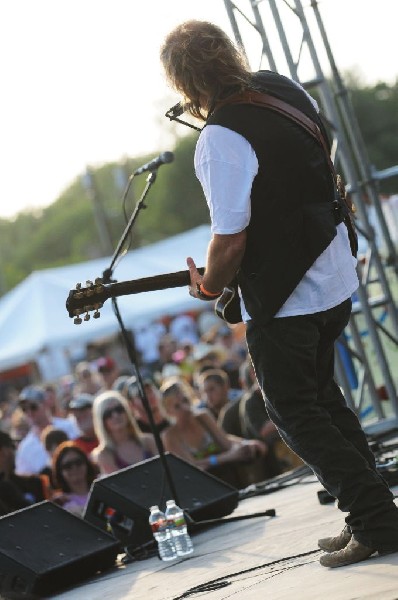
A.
pixel 73 473
pixel 81 407
pixel 281 225
pixel 121 443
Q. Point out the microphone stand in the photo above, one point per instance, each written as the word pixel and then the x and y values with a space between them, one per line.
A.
pixel 131 351
pixel 107 274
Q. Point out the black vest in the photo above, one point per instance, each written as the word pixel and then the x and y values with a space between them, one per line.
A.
pixel 292 219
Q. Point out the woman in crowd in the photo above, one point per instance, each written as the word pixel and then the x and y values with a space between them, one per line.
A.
pixel 72 473
pixel 195 436
pixel 121 443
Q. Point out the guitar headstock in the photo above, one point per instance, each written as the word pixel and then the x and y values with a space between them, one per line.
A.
pixel 83 300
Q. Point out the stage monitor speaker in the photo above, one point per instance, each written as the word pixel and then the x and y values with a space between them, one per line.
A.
pixel 120 502
pixel 44 548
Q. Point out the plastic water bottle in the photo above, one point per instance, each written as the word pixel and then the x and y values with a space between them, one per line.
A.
pixel 178 526
pixel 162 534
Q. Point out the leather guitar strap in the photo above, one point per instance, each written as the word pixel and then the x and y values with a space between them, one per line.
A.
pixel 297 116
pixel 294 114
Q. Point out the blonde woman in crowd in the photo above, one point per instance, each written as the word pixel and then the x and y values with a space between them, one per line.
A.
pixel 121 443
pixel 196 437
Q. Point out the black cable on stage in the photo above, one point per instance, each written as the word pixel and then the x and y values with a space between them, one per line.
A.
pixel 274 484
pixel 221 582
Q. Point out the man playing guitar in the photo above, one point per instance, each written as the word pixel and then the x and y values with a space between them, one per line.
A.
pixel 277 225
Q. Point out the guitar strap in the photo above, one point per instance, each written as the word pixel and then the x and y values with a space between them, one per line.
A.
pixel 344 206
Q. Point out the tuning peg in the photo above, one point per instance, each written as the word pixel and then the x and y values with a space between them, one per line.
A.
pixel 86 317
pixel 98 281
pixel 77 321
pixel 78 286
pixel 96 315
pixel 89 283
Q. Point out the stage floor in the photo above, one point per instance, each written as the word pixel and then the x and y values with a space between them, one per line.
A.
pixel 259 558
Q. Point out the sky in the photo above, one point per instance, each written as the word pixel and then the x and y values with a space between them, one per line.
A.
pixel 82 84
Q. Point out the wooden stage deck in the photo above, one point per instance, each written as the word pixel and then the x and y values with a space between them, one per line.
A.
pixel 273 558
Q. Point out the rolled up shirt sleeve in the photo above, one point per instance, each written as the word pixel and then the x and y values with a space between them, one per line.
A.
pixel 226 164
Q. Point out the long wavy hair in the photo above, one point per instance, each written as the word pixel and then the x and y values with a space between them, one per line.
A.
pixel 202 63
pixel 101 403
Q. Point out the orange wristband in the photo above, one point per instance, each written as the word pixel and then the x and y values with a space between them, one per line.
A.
pixel 206 293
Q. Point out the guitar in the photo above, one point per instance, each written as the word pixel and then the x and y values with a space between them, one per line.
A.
pixel 84 300
pixel 227 306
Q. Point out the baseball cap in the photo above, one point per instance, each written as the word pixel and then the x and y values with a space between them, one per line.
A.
pixel 81 401
pixel 132 388
pixel 33 394
pixel 105 363
pixel 120 383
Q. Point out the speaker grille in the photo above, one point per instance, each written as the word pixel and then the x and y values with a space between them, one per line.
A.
pixel 43 548
pixel 132 491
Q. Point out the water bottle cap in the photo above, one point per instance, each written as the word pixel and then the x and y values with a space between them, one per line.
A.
pixel 154 507
pixel 170 502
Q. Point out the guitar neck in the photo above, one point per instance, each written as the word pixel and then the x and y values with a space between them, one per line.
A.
pixel 149 284
pixel 93 297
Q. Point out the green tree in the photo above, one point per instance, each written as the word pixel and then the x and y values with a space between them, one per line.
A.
pixel 176 202
pixel 376 109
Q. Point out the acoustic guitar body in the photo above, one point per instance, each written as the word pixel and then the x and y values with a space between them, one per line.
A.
pixel 227 306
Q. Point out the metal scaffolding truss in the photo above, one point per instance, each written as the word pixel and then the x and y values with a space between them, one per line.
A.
pixel 364 368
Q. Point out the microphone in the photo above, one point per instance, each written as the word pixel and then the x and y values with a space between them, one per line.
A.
pixel 175 111
pixel 162 159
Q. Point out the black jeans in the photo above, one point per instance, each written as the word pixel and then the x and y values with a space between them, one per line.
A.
pixel 294 362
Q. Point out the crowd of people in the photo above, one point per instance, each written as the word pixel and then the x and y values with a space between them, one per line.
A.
pixel 205 405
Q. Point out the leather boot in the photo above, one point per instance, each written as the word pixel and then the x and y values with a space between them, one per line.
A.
pixel 354 552
pixel 333 544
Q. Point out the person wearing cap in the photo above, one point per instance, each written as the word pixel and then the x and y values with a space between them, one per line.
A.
pixel 17 491
pixel 81 407
pixel 108 371
pixel 121 383
pixel 31 456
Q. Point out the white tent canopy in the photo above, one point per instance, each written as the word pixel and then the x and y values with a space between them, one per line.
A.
pixel 33 317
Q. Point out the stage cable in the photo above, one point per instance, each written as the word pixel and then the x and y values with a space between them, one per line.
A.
pixel 221 582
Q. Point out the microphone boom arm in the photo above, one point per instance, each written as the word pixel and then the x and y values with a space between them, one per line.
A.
pixel 153 165
pixel 107 274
